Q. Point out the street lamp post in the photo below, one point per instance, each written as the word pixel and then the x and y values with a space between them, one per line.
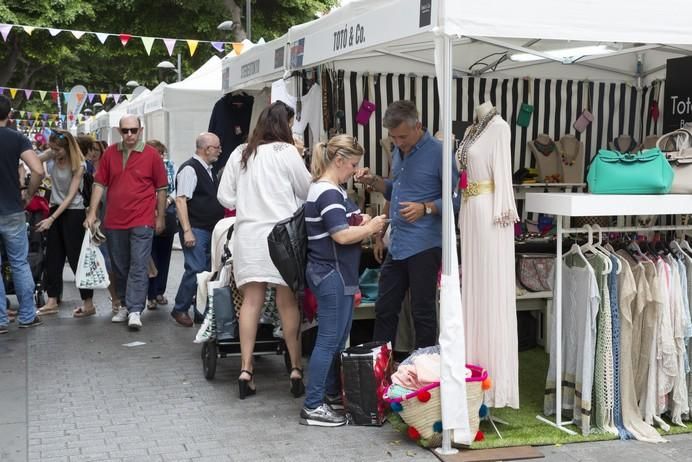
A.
pixel 170 65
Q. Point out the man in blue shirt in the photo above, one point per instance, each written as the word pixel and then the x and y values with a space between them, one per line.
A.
pixel 415 252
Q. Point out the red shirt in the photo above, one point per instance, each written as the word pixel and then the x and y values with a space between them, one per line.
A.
pixel 131 195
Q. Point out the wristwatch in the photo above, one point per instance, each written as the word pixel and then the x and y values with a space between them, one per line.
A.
pixel 428 209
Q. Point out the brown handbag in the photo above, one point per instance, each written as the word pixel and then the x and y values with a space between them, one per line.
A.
pixel 534 271
pixel 677 147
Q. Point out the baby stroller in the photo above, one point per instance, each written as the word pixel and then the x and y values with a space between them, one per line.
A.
pixel 36 211
pixel 219 331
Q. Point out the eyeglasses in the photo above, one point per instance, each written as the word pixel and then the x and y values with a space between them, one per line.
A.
pixel 133 131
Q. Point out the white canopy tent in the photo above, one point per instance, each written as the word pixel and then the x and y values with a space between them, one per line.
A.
pixel 449 38
pixel 175 114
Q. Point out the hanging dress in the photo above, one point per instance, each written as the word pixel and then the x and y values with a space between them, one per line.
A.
pixel 487 263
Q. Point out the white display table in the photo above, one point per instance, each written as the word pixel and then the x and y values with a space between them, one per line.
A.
pixel 582 204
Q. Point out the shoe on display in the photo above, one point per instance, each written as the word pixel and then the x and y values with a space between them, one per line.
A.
pixel 322 416
pixel 121 315
pixel 36 322
pixel 134 321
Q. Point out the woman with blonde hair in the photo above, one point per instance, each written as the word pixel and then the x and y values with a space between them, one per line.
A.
pixel 63 227
pixel 335 230
pixel 265 181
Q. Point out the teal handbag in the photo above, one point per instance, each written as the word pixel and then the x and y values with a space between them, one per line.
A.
pixel 645 172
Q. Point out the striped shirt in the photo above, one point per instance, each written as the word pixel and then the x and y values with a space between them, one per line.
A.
pixel 327 211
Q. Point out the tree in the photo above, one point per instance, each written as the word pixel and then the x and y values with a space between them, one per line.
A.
pixel 41 61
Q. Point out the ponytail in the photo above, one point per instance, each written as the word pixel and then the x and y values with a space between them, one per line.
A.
pixel 324 153
pixel 320 161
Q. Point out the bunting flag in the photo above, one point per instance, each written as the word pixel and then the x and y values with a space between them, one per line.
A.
pixel 5 30
pixel 78 33
pixel 54 32
pixel 148 42
pixel 28 29
pixel 124 38
pixel 102 37
pixel 218 46
pixel 27 93
pixel 42 94
pixel 103 97
pixel 13 92
pixel 192 45
pixel 54 95
pixel 238 48
pixel 21 114
pixel 170 43
pixel 90 96
pixel 116 97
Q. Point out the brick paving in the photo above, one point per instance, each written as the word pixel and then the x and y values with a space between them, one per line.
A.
pixel 70 391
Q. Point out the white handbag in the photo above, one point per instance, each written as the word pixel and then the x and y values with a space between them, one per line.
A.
pixel 677 147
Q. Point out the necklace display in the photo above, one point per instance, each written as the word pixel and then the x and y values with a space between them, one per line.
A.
pixel 545 148
pixel 462 153
pixel 569 161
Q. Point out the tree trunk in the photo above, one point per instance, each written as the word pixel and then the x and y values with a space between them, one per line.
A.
pixel 236 10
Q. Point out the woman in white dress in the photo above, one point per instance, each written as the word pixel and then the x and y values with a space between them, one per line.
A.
pixel 265 181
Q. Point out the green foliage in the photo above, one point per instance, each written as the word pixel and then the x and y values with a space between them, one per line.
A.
pixel 40 61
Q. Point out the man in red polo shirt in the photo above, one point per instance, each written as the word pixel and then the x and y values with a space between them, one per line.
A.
pixel 137 184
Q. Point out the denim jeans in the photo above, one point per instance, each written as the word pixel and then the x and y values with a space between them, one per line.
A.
pixel 161 248
pixel 14 236
pixel 129 250
pixel 197 259
pixel 335 313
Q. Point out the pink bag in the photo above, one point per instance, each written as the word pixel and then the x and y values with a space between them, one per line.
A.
pixel 364 112
pixel 583 121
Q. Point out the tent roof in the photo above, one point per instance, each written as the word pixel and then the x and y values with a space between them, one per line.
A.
pixel 207 77
pixel 483 40
pixel 255 66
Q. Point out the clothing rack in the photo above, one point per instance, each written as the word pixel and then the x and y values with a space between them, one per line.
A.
pixel 565 205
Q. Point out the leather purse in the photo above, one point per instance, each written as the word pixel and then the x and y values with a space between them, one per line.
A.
pixel 288 249
pixel 646 172
pixel 535 271
pixel 677 147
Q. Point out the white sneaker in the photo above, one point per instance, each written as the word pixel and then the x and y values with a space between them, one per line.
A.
pixel 121 315
pixel 133 321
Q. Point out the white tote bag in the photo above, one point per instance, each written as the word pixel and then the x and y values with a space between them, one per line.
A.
pixel 91 268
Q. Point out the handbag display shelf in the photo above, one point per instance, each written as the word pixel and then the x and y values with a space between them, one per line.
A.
pixel 567 205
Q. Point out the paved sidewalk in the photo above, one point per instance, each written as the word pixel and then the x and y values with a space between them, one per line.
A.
pixel 70 391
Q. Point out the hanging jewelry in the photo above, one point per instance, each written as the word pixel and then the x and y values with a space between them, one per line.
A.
pixel 475 132
pixel 545 148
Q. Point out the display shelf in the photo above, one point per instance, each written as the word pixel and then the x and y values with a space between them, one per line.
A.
pixel 549 185
pixel 593 205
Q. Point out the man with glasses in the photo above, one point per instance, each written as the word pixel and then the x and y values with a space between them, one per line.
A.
pixel 198 212
pixel 137 186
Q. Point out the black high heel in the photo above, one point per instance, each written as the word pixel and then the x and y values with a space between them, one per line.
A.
pixel 297 385
pixel 244 385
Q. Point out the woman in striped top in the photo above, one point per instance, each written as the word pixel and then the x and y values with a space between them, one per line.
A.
pixel 335 229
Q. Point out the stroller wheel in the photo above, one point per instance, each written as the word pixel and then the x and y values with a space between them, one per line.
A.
pixel 209 357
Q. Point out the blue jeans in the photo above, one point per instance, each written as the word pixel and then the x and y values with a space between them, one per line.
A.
pixel 161 248
pixel 335 313
pixel 14 236
pixel 129 250
pixel 197 259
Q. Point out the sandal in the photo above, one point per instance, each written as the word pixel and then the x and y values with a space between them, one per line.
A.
pixel 11 314
pixel 44 310
pixel 244 388
pixel 297 385
pixel 161 300
pixel 151 305
pixel 80 312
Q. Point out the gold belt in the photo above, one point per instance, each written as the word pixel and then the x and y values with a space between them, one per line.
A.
pixel 476 188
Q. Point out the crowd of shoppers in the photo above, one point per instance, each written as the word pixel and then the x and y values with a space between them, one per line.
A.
pixel 143 202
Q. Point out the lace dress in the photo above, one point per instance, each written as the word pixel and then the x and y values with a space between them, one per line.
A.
pixel 487 263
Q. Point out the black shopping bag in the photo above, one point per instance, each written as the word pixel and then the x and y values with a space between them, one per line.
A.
pixel 365 374
pixel 224 313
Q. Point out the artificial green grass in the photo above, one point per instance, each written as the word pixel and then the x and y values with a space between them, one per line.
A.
pixel 523 428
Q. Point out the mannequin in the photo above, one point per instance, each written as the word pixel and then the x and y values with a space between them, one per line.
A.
pixel 571 152
pixel 487 255
pixel 624 143
pixel 547 157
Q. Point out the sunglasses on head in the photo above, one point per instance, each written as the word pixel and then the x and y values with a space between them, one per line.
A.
pixel 130 130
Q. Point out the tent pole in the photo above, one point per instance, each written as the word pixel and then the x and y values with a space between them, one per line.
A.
pixel 448 252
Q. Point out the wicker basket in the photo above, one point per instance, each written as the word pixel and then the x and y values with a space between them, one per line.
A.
pixel 422 412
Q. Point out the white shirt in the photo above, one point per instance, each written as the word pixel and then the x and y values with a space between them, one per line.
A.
pixel 311 109
pixel 187 178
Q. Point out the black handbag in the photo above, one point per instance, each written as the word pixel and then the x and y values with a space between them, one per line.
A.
pixel 171 221
pixel 288 249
